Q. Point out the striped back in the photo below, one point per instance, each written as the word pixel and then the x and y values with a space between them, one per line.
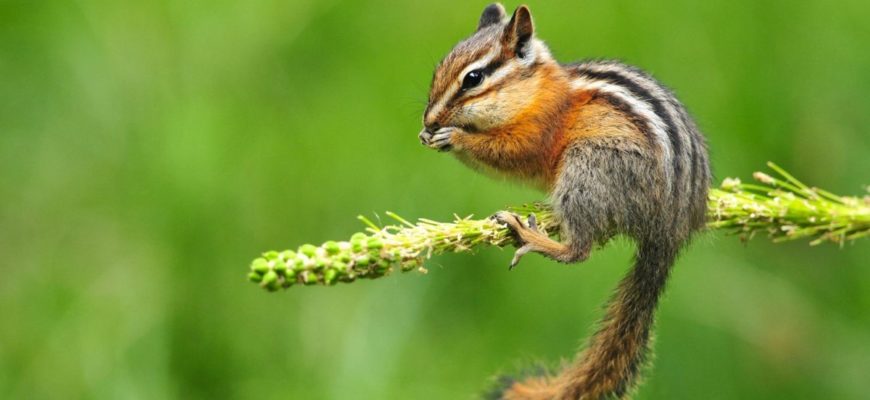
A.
pixel 658 113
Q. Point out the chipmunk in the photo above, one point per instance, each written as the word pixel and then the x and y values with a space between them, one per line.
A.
pixel 615 150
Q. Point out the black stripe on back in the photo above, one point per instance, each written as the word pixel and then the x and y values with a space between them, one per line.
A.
pixel 644 95
pixel 641 123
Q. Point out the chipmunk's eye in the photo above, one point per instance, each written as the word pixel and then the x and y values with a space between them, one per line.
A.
pixel 472 79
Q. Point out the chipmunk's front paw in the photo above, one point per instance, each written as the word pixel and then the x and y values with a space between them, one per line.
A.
pixel 439 140
pixel 520 230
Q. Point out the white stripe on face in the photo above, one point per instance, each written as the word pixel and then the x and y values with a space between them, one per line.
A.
pixel 638 106
pixel 448 94
pixel 500 74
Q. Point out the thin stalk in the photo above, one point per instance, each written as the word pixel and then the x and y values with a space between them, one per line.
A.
pixel 782 207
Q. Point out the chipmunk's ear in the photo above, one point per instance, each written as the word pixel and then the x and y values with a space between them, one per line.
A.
pixel 492 14
pixel 518 32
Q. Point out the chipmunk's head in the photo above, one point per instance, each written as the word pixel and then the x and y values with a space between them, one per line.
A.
pixel 490 77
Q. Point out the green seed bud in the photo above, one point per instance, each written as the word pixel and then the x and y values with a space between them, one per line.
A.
pixel 271 255
pixel 331 247
pixel 288 281
pixel 357 240
pixel 270 280
pixel 329 276
pixel 344 257
pixel 308 249
pixel 310 278
pixel 260 266
pixel 364 260
pixel 255 277
pixel 319 264
pixel 288 255
pixel 280 267
pixel 339 266
pixel 374 244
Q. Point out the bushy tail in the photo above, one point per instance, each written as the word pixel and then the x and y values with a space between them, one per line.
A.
pixel 610 365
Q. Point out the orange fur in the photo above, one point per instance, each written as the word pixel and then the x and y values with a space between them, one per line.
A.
pixel 531 146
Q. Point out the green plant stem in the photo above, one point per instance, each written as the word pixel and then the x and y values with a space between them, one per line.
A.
pixel 783 207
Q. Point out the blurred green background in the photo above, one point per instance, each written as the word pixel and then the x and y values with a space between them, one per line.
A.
pixel 149 150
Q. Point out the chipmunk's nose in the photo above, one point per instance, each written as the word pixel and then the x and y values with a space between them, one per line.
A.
pixel 432 126
pixel 429 129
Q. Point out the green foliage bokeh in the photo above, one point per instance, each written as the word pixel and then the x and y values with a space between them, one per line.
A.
pixel 150 149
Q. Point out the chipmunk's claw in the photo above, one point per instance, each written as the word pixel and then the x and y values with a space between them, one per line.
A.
pixel 516 225
pixel 518 255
